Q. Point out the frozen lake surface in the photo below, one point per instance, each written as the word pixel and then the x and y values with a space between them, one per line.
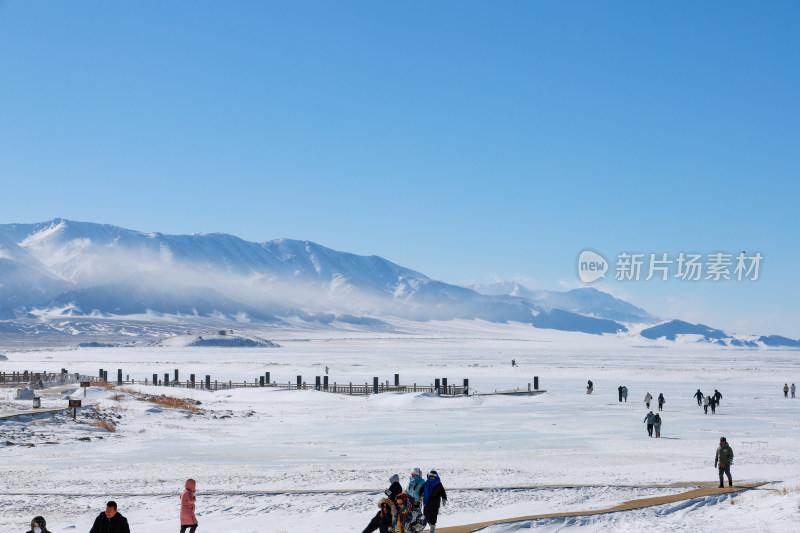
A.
pixel 271 460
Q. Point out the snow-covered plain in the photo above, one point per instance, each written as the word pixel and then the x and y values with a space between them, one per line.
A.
pixel 269 460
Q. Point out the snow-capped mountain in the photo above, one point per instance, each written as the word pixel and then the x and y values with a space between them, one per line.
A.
pixel 93 269
pixel 81 271
pixel 585 301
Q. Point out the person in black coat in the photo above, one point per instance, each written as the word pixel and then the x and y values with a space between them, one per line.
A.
pixel 384 520
pixel 395 488
pixel 433 495
pixel 110 521
pixel 39 525
pixel 699 396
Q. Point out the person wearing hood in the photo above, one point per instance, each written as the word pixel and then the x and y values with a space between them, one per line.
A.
pixel 433 496
pixel 647 399
pixel 409 519
pixel 657 425
pixel 39 525
pixel 661 401
pixel 110 521
pixel 415 484
pixel 188 520
pixel 395 488
pixel 650 419
pixel 383 522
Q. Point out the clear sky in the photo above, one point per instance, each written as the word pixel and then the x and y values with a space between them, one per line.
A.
pixel 471 141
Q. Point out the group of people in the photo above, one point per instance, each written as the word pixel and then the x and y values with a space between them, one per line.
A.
pixel 409 510
pixel 653 422
pixel 112 521
pixel 706 401
pixel 786 390
pixel 649 398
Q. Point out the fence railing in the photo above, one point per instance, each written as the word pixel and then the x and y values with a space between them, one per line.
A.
pixel 46 378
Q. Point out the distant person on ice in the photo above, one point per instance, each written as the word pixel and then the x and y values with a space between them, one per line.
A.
pixel 792 389
pixel 188 520
pixel 619 389
pixel 650 419
pixel 433 496
pixel 785 390
pixel 717 396
pixel 712 401
pixel 110 521
pixel 724 459
pixel 383 522
pixel 513 362
pixel 625 393
pixel 699 396
pixel 706 401
pixel 39 525
pixel 647 399
pixel 589 387
pixel 395 488
pixel 657 425
pixel 661 401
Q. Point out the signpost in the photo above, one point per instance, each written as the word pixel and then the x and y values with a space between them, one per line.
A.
pixel 74 404
pixel 84 384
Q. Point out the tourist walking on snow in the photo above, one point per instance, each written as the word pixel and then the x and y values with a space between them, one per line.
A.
pixel 110 521
pixel 717 396
pixel 661 401
pixel 724 458
pixel 415 484
pixel 657 425
pixel 647 399
pixel 785 390
pixel 589 387
pixel 395 488
pixel 706 401
pixel 409 518
pixel 792 389
pixel 619 389
pixel 434 495
pixel 699 396
pixel 188 520
pixel 38 525
pixel 650 419
pixel 625 393
pixel 712 401
pixel 383 522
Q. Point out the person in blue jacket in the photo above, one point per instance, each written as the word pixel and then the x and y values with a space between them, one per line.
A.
pixel 415 485
pixel 433 496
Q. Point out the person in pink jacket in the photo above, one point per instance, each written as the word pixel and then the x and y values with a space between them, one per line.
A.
pixel 188 519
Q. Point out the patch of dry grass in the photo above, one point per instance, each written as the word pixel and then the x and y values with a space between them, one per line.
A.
pixel 105 424
pixel 173 403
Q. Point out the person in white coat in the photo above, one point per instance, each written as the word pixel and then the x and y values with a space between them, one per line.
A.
pixel 647 399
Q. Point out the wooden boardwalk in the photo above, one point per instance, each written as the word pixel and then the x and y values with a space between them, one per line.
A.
pixel 627 506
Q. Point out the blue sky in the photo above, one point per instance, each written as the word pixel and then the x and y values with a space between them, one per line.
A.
pixel 471 141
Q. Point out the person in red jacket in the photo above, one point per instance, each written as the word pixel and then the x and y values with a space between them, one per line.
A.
pixel 188 520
